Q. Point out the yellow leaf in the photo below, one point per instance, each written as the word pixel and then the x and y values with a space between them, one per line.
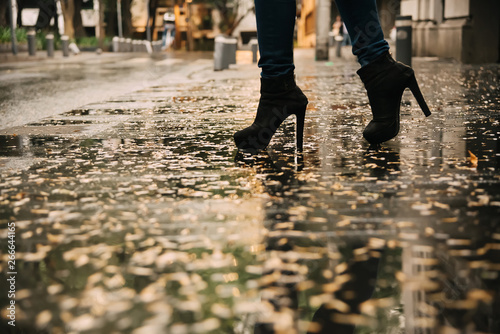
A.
pixel 473 159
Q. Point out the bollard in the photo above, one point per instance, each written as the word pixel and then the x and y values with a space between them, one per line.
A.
pixel 143 46
pixel 404 32
pixel 31 42
pixel 116 44
pixel 121 44
pixel 230 49
pixel 219 64
pixel 135 46
pixel 155 46
pixel 65 45
pixel 50 45
pixel 128 43
pixel 158 46
pixel 254 46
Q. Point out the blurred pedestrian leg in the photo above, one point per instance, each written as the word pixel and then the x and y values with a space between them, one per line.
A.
pixel 168 30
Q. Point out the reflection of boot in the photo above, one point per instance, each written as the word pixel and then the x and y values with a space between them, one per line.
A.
pixel 358 289
pixel 382 162
pixel 385 81
pixel 280 171
pixel 280 98
pixel 272 163
pixel 278 287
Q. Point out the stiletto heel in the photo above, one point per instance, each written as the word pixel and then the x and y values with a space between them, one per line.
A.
pixel 413 85
pixel 385 81
pixel 299 130
pixel 279 98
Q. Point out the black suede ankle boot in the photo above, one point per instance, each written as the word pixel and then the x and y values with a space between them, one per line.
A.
pixel 385 81
pixel 279 98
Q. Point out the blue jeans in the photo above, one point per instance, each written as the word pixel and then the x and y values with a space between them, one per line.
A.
pixel 275 28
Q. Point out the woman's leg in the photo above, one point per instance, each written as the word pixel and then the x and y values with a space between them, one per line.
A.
pixel 385 79
pixel 279 95
pixel 275 26
pixel 363 24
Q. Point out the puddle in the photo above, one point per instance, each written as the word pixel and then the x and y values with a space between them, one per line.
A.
pixel 158 225
pixel 11 145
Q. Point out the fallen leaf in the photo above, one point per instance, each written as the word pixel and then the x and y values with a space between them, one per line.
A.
pixel 472 159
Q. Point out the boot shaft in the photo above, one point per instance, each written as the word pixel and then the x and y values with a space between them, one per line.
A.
pixel 385 74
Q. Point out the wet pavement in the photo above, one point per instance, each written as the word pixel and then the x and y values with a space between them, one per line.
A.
pixel 137 214
pixel 33 90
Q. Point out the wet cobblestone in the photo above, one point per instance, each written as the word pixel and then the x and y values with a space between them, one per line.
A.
pixel 140 215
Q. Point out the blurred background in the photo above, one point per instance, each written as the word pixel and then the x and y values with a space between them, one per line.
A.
pixel 466 30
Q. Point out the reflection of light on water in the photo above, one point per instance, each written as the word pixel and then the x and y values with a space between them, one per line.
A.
pixel 152 226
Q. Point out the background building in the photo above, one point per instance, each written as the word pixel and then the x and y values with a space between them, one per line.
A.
pixel 306 23
pixel 466 30
pixel 306 19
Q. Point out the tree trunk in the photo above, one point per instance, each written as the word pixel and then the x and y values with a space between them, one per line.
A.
pixel 111 18
pixel 229 16
pixel 77 20
pixel 68 10
pixel 128 29
pixel 152 10
pixel 4 22
pixel 101 24
pixel 237 22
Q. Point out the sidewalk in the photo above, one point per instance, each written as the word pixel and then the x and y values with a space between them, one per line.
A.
pixel 137 214
pixel 33 90
pixel 24 59
pixel 42 56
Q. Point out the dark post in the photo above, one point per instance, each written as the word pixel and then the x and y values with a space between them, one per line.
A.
pixel 31 42
pixel 65 45
pixel 254 44
pixel 148 24
pixel 50 45
pixel 404 32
